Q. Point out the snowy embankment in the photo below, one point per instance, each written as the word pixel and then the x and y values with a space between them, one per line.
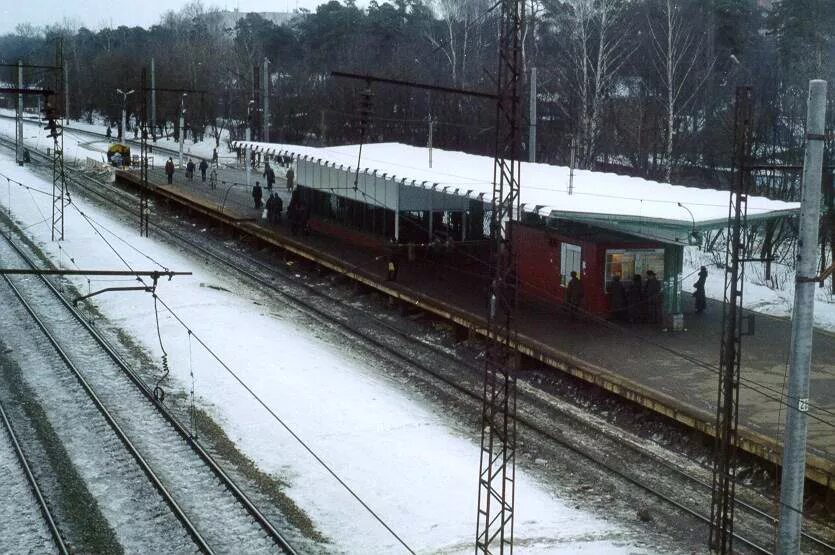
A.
pixel 407 460
pixel 774 299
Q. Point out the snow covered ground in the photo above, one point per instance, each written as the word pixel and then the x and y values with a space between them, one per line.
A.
pixel 407 460
pixel 775 299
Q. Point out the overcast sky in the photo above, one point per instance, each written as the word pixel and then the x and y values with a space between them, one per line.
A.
pixel 95 14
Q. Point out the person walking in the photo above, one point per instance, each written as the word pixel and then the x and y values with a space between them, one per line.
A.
pixel 269 173
pixel 169 170
pixel 634 299
pixel 574 295
pixel 290 176
pixel 214 157
pixel 108 133
pixel 699 293
pixel 617 299
pixel 203 167
pixel 257 194
pixel 190 170
pixel 652 294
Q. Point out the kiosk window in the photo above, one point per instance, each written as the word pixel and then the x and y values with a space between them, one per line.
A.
pixel 570 261
pixel 626 263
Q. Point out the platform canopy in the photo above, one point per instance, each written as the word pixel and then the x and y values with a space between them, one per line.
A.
pixel 670 213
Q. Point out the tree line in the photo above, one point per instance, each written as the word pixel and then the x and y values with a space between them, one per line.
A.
pixel 643 87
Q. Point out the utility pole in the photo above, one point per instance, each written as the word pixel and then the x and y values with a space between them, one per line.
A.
pixel 572 162
pixel 265 84
pixel 532 117
pixel 125 112
pixel 249 108
pixel 182 125
pixel 429 138
pixel 794 449
pixel 66 94
pixel 19 123
pixel 153 101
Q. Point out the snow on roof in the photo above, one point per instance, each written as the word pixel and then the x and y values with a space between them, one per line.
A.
pixel 544 186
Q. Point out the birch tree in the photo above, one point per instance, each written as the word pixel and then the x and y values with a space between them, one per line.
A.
pixel 678 48
pixel 597 49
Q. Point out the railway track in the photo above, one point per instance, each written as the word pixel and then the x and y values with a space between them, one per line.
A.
pixel 555 422
pixel 32 533
pixel 210 507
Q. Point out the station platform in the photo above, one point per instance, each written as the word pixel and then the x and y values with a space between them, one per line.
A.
pixel 674 374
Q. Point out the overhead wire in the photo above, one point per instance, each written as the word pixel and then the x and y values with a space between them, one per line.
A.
pixel 273 414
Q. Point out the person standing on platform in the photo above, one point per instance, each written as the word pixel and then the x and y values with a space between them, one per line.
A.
pixel 257 194
pixel 190 170
pixel 270 204
pixel 699 293
pixel 169 170
pixel 574 295
pixel 617 299
pixel 279 206
pixel 392 262
pixel 270 177
pixel 290 176
pixel 203 167
pixel 634 299
pixel 652 294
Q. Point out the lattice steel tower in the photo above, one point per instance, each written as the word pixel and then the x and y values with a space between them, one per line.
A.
pixel 727 402
pixel 497 475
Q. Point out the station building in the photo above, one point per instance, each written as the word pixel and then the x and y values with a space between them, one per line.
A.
pixel 596 224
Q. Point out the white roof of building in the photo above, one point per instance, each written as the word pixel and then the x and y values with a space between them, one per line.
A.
pixel 595 195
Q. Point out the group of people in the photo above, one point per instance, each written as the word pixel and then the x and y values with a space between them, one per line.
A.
pixel 640 302
pixel 190 167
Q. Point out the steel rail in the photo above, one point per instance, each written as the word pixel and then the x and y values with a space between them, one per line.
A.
pixel 221 474
pixel 33 484
pixel 111 421
pixel 323 316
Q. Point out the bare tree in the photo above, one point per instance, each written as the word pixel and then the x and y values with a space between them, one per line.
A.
pixel 597 49
pixel 678 48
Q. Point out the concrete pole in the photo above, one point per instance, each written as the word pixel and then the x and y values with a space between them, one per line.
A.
pixel 794 450
pixel 124 121
pixel 153 99
pixel 19 128
pixel 265 86
pixel 66 94
pixel 429 140
pixel 246 155
pixel 182 129
pixel 532 117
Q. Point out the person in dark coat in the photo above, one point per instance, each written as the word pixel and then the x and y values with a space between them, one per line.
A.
pixel 214 157
pixel 279 208
pixel 269 174
pixel 203 167
pixel 634 299
pixel 270 204
pixel 290 176
pixel 108 133
pixel 617 299
pixel 699 293
pixel 169 170
pixel 652 294
pixel 574 294
pixel 257 193
pixel 190 170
